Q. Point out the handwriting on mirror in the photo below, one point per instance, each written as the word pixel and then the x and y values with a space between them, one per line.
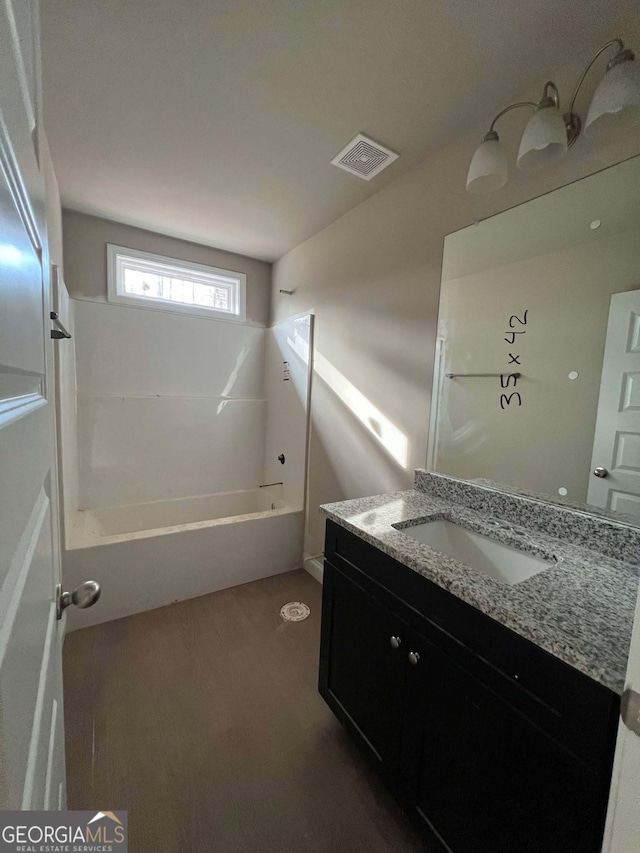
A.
pixel 510 380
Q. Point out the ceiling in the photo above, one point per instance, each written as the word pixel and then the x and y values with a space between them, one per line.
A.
pixel 216 120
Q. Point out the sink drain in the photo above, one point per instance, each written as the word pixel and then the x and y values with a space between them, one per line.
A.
pixel 294 611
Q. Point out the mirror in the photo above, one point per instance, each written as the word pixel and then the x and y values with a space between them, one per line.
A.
pixel 537 369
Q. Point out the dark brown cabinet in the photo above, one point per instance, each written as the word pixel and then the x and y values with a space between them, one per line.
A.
pixel 482 776
pixel 364 671
pixel 482 761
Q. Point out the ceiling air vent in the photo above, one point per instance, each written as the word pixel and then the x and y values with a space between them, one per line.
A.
pixel 364 157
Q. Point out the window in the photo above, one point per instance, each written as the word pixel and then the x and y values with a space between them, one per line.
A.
pixel 167 284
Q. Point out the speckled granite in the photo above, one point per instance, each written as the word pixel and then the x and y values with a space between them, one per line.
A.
pixel 579 526
pixel 580 609
pixel 555 500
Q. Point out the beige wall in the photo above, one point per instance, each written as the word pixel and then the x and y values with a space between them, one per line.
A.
pixel 85 259
pixel 372 278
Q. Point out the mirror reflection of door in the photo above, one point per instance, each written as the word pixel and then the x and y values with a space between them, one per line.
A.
pixel 615 465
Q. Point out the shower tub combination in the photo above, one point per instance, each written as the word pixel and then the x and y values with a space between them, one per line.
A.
pixel 161 552
pixel 190 459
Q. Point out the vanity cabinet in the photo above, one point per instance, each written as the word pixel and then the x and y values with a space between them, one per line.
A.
pixel 490 743
pixel 483 776
pixel 366 683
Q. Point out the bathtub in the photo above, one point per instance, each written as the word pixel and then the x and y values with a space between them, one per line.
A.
pixel 148 555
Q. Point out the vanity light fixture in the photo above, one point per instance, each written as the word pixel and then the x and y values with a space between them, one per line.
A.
pixel 545 137
pixel 548 133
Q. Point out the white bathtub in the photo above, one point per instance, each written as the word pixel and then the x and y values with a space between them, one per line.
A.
pixel 150 554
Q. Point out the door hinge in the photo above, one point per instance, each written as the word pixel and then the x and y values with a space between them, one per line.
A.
pixel 59 333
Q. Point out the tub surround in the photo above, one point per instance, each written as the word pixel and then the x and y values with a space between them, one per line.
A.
pixel 107 525
pixel 580 609
pixel 192 451
pixel 168 405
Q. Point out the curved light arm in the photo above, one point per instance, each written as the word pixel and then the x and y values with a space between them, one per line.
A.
pixel 601 50
pixel 507 109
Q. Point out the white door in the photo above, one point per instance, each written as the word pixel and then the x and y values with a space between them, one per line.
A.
pixel 616 446
pixel 31 724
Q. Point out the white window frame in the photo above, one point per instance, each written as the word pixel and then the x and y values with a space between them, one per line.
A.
pixel 180 268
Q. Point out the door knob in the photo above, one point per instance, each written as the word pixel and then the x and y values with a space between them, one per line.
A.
pixel 396 642
pixel 82 596
pixel 414 658
pixel 600 472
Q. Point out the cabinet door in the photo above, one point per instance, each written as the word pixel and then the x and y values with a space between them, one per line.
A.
pixel 362 672
pixel 485 778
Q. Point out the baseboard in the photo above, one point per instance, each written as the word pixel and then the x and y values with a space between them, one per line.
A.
pixel 314 566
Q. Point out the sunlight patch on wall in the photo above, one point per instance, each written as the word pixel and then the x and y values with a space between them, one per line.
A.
pixel 393 440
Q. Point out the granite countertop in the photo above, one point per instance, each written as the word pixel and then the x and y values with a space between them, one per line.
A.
pixel 580 609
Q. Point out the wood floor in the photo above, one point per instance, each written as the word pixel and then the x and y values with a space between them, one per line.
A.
pixel 203 720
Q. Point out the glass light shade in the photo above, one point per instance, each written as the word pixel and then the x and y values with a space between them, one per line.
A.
pixel 488 169
pixel 544 140
pixel 617 97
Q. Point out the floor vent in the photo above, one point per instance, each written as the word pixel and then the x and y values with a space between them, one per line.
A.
pixel 364 157
pixel 294 611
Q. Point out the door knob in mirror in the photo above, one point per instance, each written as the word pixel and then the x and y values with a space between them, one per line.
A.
pixel 600 472
pixel 84 595
pixel 395 642
pixel 414 658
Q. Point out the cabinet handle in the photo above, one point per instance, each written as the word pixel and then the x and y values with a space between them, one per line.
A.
pixel 396 642
pixel 414 658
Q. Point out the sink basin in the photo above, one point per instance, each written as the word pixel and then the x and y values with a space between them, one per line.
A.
pixel 480 553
